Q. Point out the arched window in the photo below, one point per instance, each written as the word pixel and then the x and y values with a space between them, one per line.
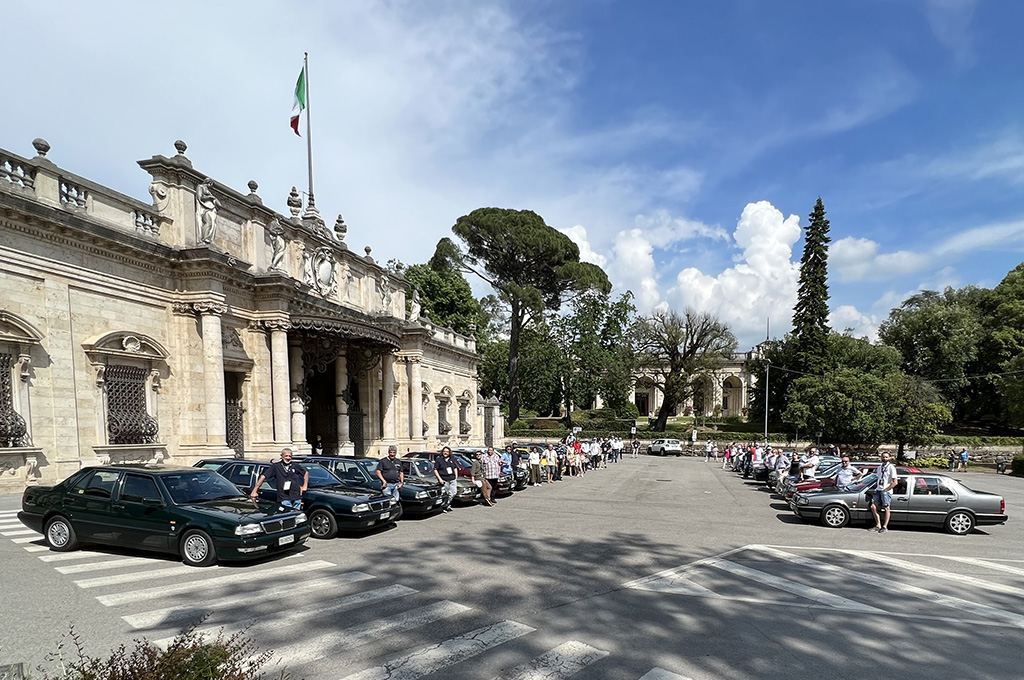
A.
pixel 18 338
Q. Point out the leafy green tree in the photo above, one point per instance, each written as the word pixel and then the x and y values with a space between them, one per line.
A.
pixel 446 298
pixel 810 314
pixel 680 353
pixel 530 265
pixel 917 412
pixel 846 405
pixel 1011 390
pixel 938 336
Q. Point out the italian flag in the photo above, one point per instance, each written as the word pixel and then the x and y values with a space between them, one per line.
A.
pixel 300 100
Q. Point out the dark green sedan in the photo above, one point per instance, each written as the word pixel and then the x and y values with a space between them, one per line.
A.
pixel 193 513
pixel 331 504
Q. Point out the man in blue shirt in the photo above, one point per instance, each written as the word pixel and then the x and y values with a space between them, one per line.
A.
pixel 290 480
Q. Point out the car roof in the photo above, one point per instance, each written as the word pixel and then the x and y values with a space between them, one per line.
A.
pixel 141 467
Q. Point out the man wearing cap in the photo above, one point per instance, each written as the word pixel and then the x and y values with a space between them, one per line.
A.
pixel 389 472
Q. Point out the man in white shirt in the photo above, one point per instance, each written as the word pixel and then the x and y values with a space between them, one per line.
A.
pixel 882 495
pixel 809 466
pixel 846 475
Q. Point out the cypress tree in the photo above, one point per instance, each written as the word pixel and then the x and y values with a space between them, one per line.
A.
pixel 810 315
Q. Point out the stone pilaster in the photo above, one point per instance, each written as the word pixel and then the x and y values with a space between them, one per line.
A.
pixel 280 384
pixel 298 405
pixel 388 388
pixel 213 372
pixel 341 402
pixel 415 398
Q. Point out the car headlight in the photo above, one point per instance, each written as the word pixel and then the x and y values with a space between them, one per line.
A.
pixel 802 500
pixel 301 518
pixel 248 530
pixel 422 494
pixel 394 501
pixel 361 507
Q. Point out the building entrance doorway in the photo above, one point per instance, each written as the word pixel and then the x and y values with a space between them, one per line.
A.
pixel 322 410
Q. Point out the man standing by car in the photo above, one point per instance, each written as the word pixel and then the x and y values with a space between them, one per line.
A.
pixel 809 466
pixel 492 471
pixel 534 466
pixel 290 481
pixel 477 475
pixel 446 470
pixel 847 475
pixel 389 472
pixel 882 495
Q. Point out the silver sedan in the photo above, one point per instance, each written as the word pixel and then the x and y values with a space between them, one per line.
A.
pixel 922 499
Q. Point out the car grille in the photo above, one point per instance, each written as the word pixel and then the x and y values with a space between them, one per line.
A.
pixel 277 525
pixel 377 506
pixel 433 493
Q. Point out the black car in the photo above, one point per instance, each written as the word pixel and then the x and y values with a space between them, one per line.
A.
pixel 330 503
pixel 506 482
pixel 419 496
pixel 193 513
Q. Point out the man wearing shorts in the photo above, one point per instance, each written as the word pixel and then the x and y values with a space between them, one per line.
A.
pixel 882 495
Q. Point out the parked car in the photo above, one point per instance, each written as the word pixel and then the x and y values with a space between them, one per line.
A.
pixel 420 495
pixel 196 514
pixel 505 482
pixel 923 499
pixel 665 447
pixel 332 506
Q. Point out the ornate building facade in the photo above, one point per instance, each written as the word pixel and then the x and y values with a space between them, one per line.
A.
pixel 727 391
pixel 204 323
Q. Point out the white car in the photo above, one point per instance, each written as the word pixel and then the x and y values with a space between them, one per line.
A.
pixel 665 447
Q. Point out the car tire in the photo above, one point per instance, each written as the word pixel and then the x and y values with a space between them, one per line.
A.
pixel 322 524
pixel 60 535
pixel 835 516
pixel 197 548
pixel 959 523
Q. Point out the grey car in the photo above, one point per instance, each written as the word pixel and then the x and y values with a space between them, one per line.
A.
pixel 922 499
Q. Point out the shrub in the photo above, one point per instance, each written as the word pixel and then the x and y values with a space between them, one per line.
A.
pixel 190 656
pixel 519 425
pixel 629 412
pixel 1017 465
pixel 546 424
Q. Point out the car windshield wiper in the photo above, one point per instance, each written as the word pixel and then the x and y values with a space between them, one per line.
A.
pixel 216 498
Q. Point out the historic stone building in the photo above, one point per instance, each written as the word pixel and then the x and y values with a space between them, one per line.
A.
pixel 204 323
pixel 727 392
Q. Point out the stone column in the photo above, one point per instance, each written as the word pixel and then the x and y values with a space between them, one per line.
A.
pixel 340 389
pixel 388 387
pixel 280 390
pixel 298 407
pixel 213 372
pixel 415 399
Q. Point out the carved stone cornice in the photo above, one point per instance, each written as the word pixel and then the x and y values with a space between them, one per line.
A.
pixel 269 325
pixel 215 308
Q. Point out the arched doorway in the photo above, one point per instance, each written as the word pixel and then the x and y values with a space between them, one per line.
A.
pixel 732 396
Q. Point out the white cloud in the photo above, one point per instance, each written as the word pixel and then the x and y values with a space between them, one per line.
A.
pixel 761 285
pixel 950 21
pixel 578 234
pixel 858 259
pixel 848 318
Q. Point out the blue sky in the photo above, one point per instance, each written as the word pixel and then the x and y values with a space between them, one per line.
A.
pixel 681 144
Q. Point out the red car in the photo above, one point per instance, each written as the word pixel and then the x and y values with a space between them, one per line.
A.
pixel 867 468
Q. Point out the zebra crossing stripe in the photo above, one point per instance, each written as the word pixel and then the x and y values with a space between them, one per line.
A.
pixel 315 648
pixel 6 523
pixel 76 555
pixel 27 539
pixel 253 625
pixel 35 548
pixel 563 661
pixel 6 513
pixel 192 612
pixel 925 570
pixel 131 577
pixel 106 564
pixel 200 584
pixel 448 653
pixel 798 589
pixel 903 588
pixel 987 564
pixel 662 674
pixel 18 532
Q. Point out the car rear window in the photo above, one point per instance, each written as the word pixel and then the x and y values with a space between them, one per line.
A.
pixel 138 488
pixel 101 484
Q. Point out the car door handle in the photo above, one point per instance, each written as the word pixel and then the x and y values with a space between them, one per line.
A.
pixel 118 506
pixel 951 500
pixel 901 498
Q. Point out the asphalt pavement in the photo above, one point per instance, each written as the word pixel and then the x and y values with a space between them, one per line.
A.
pixel 657 569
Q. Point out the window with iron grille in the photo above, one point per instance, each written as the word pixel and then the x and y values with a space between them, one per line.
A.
pixel 13 430
pixel 128 421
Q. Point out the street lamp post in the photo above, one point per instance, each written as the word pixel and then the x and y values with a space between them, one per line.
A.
pixel 767 369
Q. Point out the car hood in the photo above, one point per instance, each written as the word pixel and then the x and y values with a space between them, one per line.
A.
pixel 240 508
pixel 418 480
pixel 351 493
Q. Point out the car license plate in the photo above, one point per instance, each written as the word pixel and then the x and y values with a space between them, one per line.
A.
pixel 385 515
pixel 437 502
pixel 285 540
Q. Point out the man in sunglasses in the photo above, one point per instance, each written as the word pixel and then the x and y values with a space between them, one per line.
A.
pixel 847 475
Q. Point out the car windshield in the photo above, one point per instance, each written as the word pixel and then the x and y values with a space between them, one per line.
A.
pixel 422 468
pixel 199 486
pixel 864 483
pixel 320 477
pixel 463 460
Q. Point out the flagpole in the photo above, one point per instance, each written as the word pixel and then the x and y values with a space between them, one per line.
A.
pixel 309 129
